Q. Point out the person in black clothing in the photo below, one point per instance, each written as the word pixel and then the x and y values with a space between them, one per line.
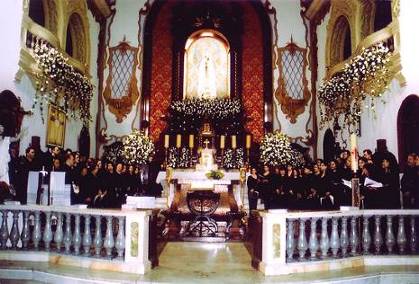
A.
pixel 26 164
pixel 279 200
pixel 266 187
pixel 382 153
pixel 409 183
pixel 327 197
pixel 132 181
pixel 120 186
pixel 253 189
pixel 71 178
pixel 390 192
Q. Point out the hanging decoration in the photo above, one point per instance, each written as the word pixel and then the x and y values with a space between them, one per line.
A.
pixel 179 158
pixel 367 75
pixel 61 84
pixel 138 149
pixel 276 150
pixel 187 116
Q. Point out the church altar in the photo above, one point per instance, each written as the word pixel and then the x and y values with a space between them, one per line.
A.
pixel 180 184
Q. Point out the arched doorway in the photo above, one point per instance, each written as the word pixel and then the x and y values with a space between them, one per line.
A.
pixel 329 145
pixel 408 128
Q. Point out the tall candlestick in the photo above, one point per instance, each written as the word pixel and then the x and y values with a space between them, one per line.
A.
pixel 191 141
pixel 166 141
pixel 248 141
pixel 233 142
pixel 222 142
pixel 178 141
pixel 354 160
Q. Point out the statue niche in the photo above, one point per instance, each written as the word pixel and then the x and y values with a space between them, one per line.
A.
pixel 206 66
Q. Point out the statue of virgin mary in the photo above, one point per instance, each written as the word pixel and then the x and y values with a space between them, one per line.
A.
pixel 207 88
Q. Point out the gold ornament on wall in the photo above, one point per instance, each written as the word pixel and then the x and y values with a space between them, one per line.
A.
pixel 292 93
pixel 56 126
pixel 121 92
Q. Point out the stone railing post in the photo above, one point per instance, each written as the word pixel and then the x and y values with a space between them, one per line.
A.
pixel 366 238
pixel 87 238
pixel 390 240
pixel 413 236
pixel 334 238
pixel 47 235
pixel 14 233
pixel 344 240
pixel 109 240
pixel 353 236
pixel 324 239
pixel 77 234
pixel 25 236
pixel 313 242
pixel 67 235
pixel 36 234
pixel 98 242
pixel 59 234
pixel 378 238
pixel 120 238
pixel 401 236
pixel 290 240
pixel 302 242
pixel 4 230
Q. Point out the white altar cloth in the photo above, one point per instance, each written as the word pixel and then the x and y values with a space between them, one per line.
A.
pixel 198 180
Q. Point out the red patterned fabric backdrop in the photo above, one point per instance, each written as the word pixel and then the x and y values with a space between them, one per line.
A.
pixel 161 72
pixel 252 95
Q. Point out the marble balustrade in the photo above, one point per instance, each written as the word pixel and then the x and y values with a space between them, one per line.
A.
pixel 117 239
pixel 313 241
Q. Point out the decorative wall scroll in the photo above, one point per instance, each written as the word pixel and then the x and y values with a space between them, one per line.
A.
pixel 121 92
pixel 56 126
pixel 293 93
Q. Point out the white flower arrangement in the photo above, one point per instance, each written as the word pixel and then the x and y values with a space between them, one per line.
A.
pixel 366 75
pixel 179 159
pixel 75 88
pixel 233 158
pixel 138 148
pixel 275 150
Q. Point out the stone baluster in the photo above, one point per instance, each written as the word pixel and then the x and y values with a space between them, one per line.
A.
pixel 390 240
pixel 334 237
pixel 67 235
pixel 4 230
pixel 344 240
pixel 59 234
pixel 378 238
pixel 313 243
pixel 77 235
pixel 366 237
pixel 109 239
pixel 120 238
pixel 353 236
pixel 98 242
pixel 14 233
pixel 413 237
pixel 302 242
pixel 87 238
pixel 47 236
pixel 324 239
pixel 290 240
pixel 26 234
pixel 36 234
pixel 401 236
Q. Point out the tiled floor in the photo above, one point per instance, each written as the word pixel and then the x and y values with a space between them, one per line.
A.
pixel 188 262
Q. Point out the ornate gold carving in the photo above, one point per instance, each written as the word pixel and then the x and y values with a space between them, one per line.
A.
pixel 122 105
pixel 291 106
pixel 276 240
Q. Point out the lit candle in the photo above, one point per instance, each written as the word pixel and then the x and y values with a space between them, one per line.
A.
pixel 222 142
pixel 166 141
pixel 191 140
pixel 354 160
pixel 178 141
pixel 233 142
pixel 248 141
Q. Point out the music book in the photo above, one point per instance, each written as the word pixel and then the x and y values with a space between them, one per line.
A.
pixel 372 183
pixel 346 182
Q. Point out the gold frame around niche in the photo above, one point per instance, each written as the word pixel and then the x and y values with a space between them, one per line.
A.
pixel 292 108
pixel 122 107
pixel 56 132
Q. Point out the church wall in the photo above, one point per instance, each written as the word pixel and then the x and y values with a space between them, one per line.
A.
pixel 36 124
pixel 122 25
pixel 382 124
pixel 290 24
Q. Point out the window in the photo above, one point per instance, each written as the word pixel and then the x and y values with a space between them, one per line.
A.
pixel 36 12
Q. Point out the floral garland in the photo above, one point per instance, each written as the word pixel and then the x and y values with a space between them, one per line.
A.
pixel 233 158
pixel 187 116
pixel 366 75
pixel 179 160
pixel 275 150
pixel 76 89
pixel 138 148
